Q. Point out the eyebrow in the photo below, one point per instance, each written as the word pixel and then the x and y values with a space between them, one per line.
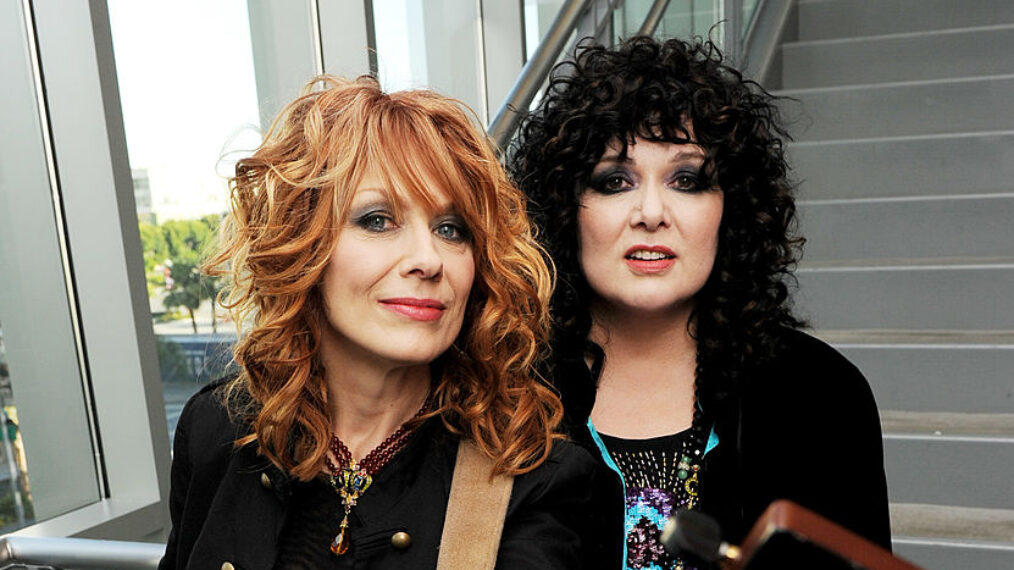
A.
pixel 395 199
pixel 677 156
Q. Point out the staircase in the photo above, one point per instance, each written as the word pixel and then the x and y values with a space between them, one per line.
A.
pixel 905 154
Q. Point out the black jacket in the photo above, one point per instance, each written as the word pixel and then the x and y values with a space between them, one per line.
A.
pixel 230 505
pixel 804 427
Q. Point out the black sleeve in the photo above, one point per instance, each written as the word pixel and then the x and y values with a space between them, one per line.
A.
pixel 811 433
pixel 552 520
pixel 179 482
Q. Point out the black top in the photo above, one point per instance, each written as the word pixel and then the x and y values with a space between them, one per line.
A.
pixel 647 463
pixel 803 427
pixel 232 505
pixel 649 467
pixel 313 523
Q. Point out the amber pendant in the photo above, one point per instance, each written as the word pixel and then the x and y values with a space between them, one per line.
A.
pixel 340 544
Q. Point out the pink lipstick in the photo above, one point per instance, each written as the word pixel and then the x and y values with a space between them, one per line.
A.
pixel 649 258
pixel 415 309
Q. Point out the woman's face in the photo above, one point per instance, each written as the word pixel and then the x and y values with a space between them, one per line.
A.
pixel 648 227
pixel 397 284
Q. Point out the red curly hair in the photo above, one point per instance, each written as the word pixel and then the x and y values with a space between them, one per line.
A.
pixel 289 201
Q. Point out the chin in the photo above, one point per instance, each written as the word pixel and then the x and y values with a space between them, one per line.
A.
pixel 414 356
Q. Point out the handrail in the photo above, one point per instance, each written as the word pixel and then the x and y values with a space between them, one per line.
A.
pixel 655 14
pixel 507 119
pixel 79 553
pixel 730 13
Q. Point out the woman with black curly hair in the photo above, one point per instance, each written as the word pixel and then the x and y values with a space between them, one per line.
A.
pixel 657 178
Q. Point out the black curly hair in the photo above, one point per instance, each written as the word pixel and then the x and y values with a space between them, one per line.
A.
pixel 650 89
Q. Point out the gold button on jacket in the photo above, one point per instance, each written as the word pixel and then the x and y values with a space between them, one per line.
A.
pixel 401 540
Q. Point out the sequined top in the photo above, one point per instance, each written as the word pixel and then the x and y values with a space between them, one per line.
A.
pixel 649 469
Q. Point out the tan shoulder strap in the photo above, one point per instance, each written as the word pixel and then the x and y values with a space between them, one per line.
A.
pixel 475 513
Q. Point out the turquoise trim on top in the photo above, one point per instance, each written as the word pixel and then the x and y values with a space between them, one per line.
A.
pixel 612 465
pixel 712 440
pixel 712 444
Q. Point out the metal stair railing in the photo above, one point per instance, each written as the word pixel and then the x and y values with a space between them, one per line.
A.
pixel 508 118
pixel 534 73
pixel 77 554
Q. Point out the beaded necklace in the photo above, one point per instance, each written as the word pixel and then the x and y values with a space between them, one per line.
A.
pixel 691 451
pixel 350 479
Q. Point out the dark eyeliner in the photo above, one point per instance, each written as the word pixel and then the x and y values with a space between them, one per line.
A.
pixel 366 219
pixel 600 182
pixel 463 235
pixel 694 174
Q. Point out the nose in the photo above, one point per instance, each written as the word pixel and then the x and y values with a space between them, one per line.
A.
pixel 651 212
pixel 421 257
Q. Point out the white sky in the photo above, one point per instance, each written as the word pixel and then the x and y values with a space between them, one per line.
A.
pixel 187 87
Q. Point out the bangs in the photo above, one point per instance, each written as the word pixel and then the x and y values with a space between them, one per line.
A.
pixel 418 160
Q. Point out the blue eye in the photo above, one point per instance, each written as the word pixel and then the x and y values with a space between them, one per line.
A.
pixel 375 222
pixel 452 231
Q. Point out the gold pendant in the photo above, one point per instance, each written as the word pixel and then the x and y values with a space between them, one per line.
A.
pixel 351 483
pixel 340 544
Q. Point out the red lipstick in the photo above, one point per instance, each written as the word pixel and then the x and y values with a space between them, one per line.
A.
pixel 649 258
pixel 415 309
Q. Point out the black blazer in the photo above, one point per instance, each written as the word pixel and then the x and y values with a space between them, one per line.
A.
pixel 230 505
pixel 804 427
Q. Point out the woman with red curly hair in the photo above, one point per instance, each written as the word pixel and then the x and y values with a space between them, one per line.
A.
pixel 392 303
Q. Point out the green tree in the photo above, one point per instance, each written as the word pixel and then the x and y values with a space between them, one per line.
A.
pixel 180 246
pixel 156 252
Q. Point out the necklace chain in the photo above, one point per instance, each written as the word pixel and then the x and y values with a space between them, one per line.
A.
pixel 350 479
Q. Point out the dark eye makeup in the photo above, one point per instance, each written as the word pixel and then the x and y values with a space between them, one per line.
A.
pixel 374 220
pixel 611 181
pixel 452 229
pixel 688 180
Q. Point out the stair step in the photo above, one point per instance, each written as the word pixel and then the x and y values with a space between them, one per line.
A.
pixel 964 52
pixel 938 521
pixel 946 537
pixel 950 164
pixel 824 19
pixel 945 554
pixel 930 297
pixel 981 104
pixel 897 422
pixel 938 339
pixel 958 470
pixel 955 372
pixel 924 228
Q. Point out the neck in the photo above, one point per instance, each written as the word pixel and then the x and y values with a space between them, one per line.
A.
pixel 646 388
pixel 368 401
pixel 647 336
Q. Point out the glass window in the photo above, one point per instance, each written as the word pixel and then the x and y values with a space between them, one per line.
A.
pixel 16 509
pixel 47 458
pixel 682 19
pixel 436 47
pixel 189 107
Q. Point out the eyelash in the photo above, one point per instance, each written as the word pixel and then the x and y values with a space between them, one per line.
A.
pixel 694 178
pixel 369 221
pixel 616 181
pixel 366 221
pixel 461 234
pixel 601 183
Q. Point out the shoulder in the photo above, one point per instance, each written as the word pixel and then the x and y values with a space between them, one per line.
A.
pixel 206 428
pixel 566 513
pixel 567 463
pixel 806 367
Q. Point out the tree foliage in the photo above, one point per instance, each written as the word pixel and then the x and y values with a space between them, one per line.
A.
pixel 173 252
